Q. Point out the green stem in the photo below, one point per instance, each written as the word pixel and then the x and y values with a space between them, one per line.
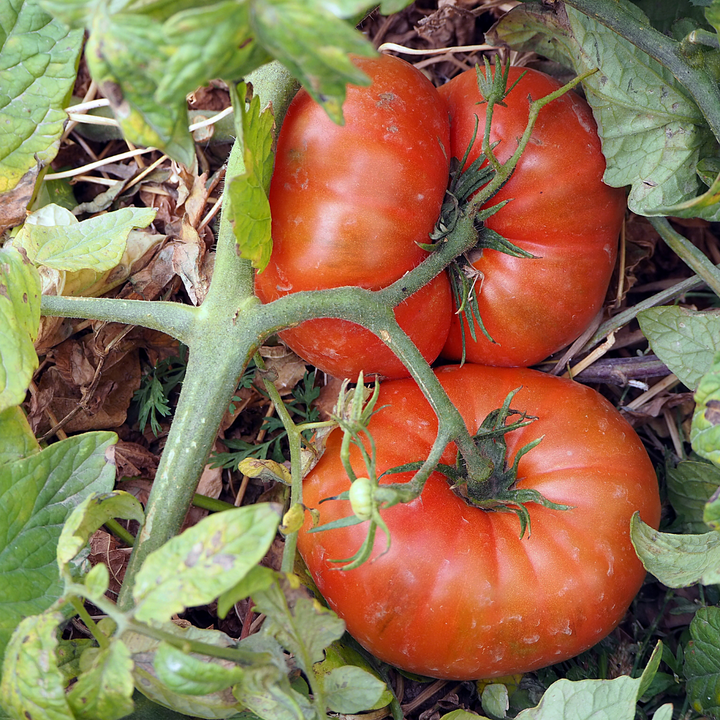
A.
pixel 624 317
pixel 701 87
pixel 90 624
pixel 171 318
pixel 294 435
pixel 688 253
pixel 120 532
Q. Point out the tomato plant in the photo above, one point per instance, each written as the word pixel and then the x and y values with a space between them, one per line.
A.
pixel 460 594
pixel 560 211
pixel 349 206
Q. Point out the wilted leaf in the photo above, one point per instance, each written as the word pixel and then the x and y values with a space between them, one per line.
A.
pixel 105 691
pixel 677 560
pixel 203 562
pixel 32 685
pixel 97 243
pixel 36 496
pixel 685 340
pixel 19 322
pixel 705 429
pixel 39 62
pixel 702 661
pixel 652 133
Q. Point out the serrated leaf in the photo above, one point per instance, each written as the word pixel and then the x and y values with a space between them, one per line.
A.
pixel 702 661
pixel 188 674
pixel 690 485
pixel 16 437
pixel 705 428
pixel 685 340
pixel 38 63
pixel 19 323
pixel 105 691
pixel 314 47
pixel 32 685
pixel 36 496
pixel 298 622
pixel 203 562
pixel 652 133
pixel 89 516
pixel 97 243
pixel 677 560
pixel 350 689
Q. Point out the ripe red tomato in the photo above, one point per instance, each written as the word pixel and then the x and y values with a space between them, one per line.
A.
pixel 561 212
pixel 349 205
pixel 459 594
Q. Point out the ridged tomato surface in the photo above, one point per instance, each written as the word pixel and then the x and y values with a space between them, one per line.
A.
pixel 349 206
pixel 560 211
pixel 459 594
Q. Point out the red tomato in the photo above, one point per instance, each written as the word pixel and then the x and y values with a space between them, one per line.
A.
pixel 350 205
pixel 560 211
pixel 459 594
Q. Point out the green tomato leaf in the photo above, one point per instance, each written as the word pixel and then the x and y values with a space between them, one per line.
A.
pixel 259 578
pixel 298 622
pixel 593 699
pixel 677 560
pixel 705 428
pixel 495 699
pixel 702 662
pixel 203 562
pixel 652 133
pixel 340 654
pixel 105 691
pixel 16 438
pixel 685 340
pixel 207 42
pixel 220 704
pixel 314 47
pixel 19 323
pixel 97 243
pixel 127 55
pixel 90 515
pixel 690 485
pixel 249 210
pixel 188 674
pixel 32 685
pixel 38 62
pixel 266 690
pixel 350 689
pixel 37 494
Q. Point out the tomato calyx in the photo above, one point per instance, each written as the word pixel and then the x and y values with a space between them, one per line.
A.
pixel 497 490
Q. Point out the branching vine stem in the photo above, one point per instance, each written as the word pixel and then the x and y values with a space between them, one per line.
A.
pixel 225 332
